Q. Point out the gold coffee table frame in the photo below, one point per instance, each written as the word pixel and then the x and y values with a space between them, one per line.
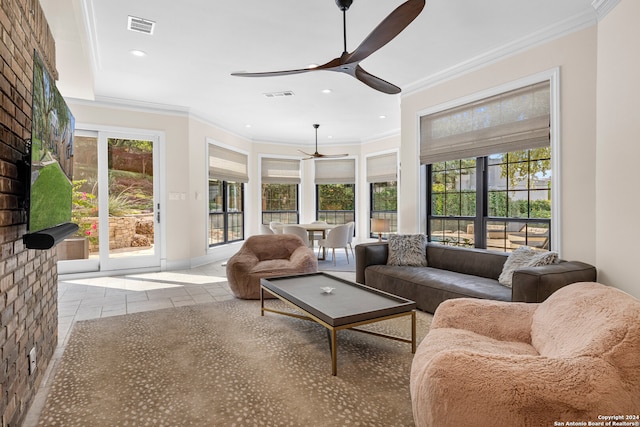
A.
pixel 398 307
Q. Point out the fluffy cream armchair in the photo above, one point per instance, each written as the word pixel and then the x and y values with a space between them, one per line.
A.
pixel 574 357
pixel 267 256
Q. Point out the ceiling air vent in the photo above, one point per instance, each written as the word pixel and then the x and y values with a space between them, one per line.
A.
pixel 141 25
pixel 279 94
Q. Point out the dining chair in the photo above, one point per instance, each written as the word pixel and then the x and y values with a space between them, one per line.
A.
pixel 317 235
pixel 276 226
pixel 298 231
pixel 265 229
pixel 352 226
pixel 337 238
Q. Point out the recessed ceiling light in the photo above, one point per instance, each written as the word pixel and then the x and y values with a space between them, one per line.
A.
pixel 326 90
pixel 382 116
pixel 247 126
pixel 139 53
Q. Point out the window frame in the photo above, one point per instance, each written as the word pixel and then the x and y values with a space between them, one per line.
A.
pixel 331 215
pixel 274 215
pixel 225 213
pixel 391 215
pixel 242 179
pixel 481 218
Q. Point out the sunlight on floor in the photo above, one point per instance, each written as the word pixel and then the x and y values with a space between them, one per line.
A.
pixel 179 277
pixel 124 283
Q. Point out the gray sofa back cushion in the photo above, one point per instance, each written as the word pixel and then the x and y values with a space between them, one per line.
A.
pixel 476 262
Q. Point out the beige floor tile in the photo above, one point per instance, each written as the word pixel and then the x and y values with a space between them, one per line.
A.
pixel 158 304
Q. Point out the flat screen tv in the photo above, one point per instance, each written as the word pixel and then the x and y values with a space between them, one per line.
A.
pixel 49 198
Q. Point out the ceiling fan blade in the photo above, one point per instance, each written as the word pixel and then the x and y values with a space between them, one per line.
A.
pixel 331 64
pixel 273 73
pixel 388 29
pixel 332 156
pixel 375 82
pixel 307 154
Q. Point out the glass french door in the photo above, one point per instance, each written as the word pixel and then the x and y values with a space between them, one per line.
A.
pixel 115 203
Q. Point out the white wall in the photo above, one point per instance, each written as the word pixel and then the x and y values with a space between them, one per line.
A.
pixel 618 148
pixel 575 55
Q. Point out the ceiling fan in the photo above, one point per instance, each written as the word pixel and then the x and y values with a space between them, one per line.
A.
pixel 349 63
pixel 317 155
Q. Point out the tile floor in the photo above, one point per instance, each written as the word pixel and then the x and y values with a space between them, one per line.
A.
pixel 92 298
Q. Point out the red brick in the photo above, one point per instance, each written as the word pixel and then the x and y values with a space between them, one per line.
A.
pixel 27 278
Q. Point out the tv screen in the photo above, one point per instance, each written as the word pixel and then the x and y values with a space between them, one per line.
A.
pixel 50 193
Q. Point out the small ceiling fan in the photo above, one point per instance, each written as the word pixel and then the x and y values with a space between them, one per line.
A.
pixel 317 155
pixel 349 63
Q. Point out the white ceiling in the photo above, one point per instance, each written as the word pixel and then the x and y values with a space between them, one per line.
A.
pixel 198 43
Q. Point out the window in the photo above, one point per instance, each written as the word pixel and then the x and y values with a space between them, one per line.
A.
pixel 335 190
pixel 227 174
pixel 383 187
pixel 497 196
pixel 453 202
pixel 336 203
pixel 280 179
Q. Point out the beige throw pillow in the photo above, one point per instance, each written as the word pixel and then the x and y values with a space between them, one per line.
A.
pixel 408 249
pixel 522 257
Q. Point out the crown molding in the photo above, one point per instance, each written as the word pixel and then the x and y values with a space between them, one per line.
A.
pixel 552 32
pixel 132 105
pixel 603 7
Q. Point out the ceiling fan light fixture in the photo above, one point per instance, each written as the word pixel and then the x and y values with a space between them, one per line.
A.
pixel 317 155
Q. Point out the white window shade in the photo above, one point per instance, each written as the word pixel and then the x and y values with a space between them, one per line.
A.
pixel 227 165
pixel 382 168
pixel 280 171
pixel 341 171
pixel 512 121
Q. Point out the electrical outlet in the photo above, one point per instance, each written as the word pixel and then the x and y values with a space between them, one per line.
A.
pixel 32 361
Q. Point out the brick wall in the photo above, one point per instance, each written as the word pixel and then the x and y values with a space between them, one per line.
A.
pixel 28 278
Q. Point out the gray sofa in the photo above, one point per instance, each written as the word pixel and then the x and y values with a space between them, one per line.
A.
pixel 455 272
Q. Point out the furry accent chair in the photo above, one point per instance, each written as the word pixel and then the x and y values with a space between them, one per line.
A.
pixel 573 357
pixel 267 256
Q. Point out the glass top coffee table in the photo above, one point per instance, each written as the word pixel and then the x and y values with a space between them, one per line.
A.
pixel 337 304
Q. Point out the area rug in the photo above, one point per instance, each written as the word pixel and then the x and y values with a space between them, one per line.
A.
pixel 222 364
pixel 341 264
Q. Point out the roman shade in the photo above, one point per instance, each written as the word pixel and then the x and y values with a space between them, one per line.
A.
pixel 512 121
pixel 382 168
pixel 280 171
pixel 227 165
pixel 342 171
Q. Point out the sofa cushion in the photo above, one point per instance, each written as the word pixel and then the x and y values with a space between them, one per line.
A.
pixel 407 249
pixel 524 256
pixel 429 286
pixel 476 262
